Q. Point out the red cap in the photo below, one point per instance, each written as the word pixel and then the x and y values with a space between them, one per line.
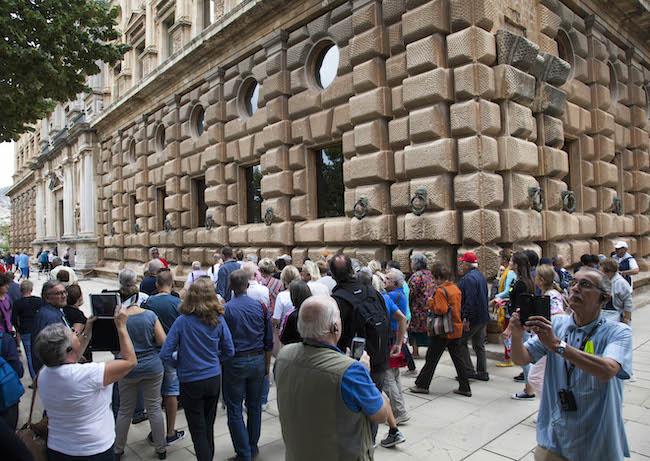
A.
pixel 469 257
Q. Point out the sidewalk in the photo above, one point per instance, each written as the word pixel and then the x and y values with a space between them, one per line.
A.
pixel 443 426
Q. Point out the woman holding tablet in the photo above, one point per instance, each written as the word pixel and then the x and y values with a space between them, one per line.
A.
pixel 76 396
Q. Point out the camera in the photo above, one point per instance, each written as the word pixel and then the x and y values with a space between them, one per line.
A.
pixel 567 400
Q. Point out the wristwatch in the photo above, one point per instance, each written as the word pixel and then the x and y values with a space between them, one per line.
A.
pixel 561 348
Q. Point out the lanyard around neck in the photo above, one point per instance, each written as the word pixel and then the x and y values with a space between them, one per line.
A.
pixel 569 369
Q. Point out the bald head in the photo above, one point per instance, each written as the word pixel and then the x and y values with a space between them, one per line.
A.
pixel 319 318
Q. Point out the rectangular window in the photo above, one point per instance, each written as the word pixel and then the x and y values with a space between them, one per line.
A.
pixel 199 208
pixel 329 182
pixel 254 194
pixel 132 203
pixel 168 37
pixel 208 12
pixel 60 217
pixel 139 69
pixel 161 193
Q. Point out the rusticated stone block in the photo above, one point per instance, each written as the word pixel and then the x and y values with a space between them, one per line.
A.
pixel 474 80
pixel 425 54
pixel 277 184
pixel 374 229
pixel 512 83
pixel 602 122
pixel 518 121
pixel 370 105
pixel 605 174
pixel 549 99
pixel 437 193
pixel 478 190
pixel 551 69
pixel 553 131
pixel 559 225
pixel 465 13
pixel 371 136
pixel 475 117
pixel 378 196
pixel 517 186
pixel 440 227
pixel 276 234
pixel 604 148
pixel 273 160
pixel 488 258
pixel 471 45
pixel 369 168
pixel 606 224
pixel 481 226
pixel 435 157
pixel 369 75
pixel 553 162
pixel 520 225
pixel 477 153
pixel 398 132
pixel 641 181
pixel 430 18
pixel 369 44
pixel 429 123
pixel 606 198
pixel 552 190
pixel 427 88
pixel 515 50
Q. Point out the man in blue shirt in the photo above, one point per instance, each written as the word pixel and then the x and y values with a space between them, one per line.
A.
pixel 474 312
pixel 55 296
pixel 587 357
pixel 336 425
pixel 243 375
pixel 23 265
pixel 165 305
pixel 229 266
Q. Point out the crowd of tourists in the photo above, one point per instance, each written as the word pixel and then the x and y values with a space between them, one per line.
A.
pixel 331 328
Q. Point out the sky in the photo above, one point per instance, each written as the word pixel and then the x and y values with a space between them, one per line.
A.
pixel 6 163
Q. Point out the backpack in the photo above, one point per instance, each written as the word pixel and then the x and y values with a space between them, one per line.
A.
pixel 11 389
pixel 370 321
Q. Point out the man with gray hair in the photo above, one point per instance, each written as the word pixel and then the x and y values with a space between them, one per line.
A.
pixel 57 266
pixel 148 283
pixel 55 296
pixel 337 424
pixel 587 357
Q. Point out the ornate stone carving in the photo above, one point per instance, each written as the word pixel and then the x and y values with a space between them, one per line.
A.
pixel 419 201
pixel 551 69
pixel 515 50
pixel 360 209
pixel 536 199
pixel 568 201
pixel 269 216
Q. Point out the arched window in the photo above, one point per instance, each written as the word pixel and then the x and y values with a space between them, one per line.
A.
pixel 249 95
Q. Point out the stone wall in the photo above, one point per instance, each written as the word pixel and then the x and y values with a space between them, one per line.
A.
pixel 465 124
pixel 22 219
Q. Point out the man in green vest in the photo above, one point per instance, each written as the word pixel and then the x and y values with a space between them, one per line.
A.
pixel 326 399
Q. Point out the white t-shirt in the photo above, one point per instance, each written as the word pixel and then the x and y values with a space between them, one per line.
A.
pixel 258 292
pixel 138 300
pixel 283 305
pixel 328 281
pixel 78 406
pixel 317 288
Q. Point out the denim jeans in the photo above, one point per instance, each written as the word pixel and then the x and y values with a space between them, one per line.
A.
pixel 107 455
pixel 243 378
pixel 265 390
pixel 26 338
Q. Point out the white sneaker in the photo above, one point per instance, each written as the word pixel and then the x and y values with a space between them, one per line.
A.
pixel 401 419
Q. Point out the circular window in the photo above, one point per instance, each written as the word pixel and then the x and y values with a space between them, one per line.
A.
pixel 249 96
pixel 613 87
pixel 326 64
pixel 198 120
pixel 132 151
pixel 160 138
pixel 565 50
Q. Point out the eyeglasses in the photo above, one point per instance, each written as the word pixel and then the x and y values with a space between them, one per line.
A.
pixel 584 284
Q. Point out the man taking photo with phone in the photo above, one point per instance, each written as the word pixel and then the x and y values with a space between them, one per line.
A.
pixel 580 415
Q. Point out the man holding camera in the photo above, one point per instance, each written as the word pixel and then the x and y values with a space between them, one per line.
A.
pixel 587 358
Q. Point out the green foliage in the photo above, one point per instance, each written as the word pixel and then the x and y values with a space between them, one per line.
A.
pixel 47 49
pixel 5 236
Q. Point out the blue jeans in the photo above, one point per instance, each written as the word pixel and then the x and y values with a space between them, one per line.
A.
pixel 243 378
pixel 265 390
pixel 26 338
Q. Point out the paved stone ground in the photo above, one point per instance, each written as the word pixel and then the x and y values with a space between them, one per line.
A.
pixel 443 426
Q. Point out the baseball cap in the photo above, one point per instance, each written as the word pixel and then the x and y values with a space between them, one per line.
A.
pixel 620 244
pixel 286 257
pixel 469 257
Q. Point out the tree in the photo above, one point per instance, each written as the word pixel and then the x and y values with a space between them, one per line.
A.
pixel 47 50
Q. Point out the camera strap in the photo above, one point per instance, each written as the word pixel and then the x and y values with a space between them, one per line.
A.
pixel 569 368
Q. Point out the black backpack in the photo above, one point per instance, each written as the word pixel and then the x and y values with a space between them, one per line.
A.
pixel 370 321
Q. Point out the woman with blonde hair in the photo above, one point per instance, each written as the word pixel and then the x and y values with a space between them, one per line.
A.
pixel 283 304
pixel 196 342
pixel 310 273
pixel 378 277
pixel 545 281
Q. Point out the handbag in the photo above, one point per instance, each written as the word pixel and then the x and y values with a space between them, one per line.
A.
pixel 34 436
pixel 441 324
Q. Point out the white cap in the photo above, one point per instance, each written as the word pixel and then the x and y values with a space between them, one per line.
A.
pixel 620 244
pixel 286 257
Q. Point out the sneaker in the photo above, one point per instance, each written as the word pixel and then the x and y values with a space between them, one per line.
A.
pixel 265 406
pixel 522 396
pixel 178 435
pixel 401 419
pixel 162 455
pixel 418 390
pixel 504 364
pixel 138 419
pixel 463 392
pixel 392 439
pixel 410 373
pixel 520 377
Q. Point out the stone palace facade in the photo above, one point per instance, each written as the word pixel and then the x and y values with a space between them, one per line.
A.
pixel 373 127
